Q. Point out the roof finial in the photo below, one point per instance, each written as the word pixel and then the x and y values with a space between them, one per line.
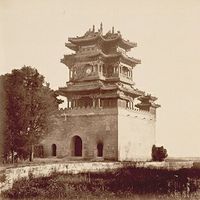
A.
pixel 113 29
pixel 93 28
pixel 101 27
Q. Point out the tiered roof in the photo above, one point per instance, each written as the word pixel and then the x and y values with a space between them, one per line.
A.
pixel 147 101
pixel 104 42
pixel 91 37
pixel 99 87
pixel 73 58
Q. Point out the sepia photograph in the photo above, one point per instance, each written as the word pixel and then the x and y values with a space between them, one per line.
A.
pixel 99 99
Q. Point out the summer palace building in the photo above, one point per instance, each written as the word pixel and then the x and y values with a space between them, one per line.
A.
pixel 106 117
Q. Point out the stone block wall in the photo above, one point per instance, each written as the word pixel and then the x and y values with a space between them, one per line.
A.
pixel 14 174
pixel 93 126
pixel 10 175
pixel 136 135
pixel 126 134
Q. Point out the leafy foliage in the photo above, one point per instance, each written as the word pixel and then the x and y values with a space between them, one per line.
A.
pixel 29 104
pixel 45 186
pixel 159 153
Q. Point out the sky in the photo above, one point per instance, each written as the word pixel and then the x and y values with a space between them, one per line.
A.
pixel 34 32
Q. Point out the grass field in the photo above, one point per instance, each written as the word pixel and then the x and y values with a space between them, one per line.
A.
pixel 128 183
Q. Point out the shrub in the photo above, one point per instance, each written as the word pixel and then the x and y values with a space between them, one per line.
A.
pixel 158 153
pixel 129 179
pixel 43 186
pixel 2 177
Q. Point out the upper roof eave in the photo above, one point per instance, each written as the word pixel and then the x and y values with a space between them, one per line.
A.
pixel 147 97
pixel 132 61
pixel 133 91
pixel 71 46
pixel 125 44
pixel 85 38
pixel 109 37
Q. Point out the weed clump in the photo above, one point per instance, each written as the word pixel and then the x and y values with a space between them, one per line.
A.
pixel 44 187
pixel 127 180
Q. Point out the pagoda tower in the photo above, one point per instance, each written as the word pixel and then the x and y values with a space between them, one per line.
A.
pixel 106 117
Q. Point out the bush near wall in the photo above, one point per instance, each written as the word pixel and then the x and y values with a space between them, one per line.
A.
pixel 124 180
pixel 158 153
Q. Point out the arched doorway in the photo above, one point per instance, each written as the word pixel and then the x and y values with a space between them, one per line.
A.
pixel 100 150
pixel 76 146
pixel 53 149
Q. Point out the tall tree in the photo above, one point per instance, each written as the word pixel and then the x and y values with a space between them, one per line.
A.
pixel 29 105
pixel 2 118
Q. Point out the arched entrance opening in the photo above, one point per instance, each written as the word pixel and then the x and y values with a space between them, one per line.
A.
pixel 100 150
pixel 53 149
pixel 76 146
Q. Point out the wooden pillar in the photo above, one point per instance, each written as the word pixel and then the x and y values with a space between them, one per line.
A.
pixel 99 69
pixel 93 102
pixel 73 103
pixel 116 69
pixel 70 72
pixel 99 102
pixel 67 103
pixel 77 103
